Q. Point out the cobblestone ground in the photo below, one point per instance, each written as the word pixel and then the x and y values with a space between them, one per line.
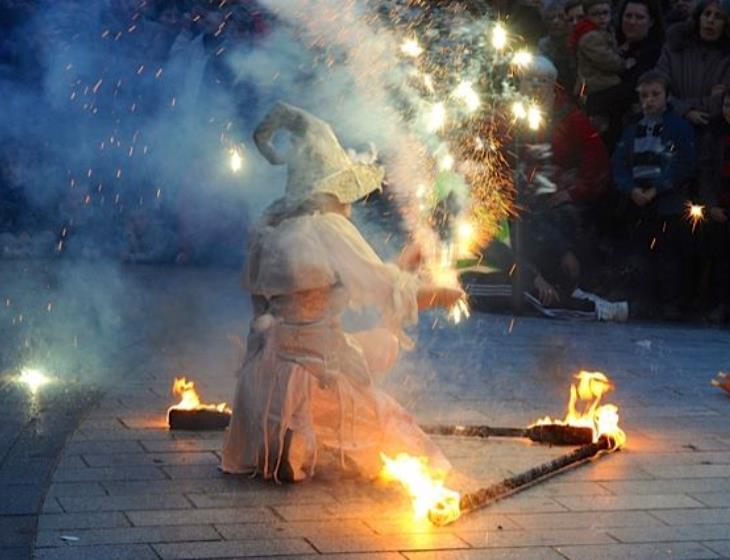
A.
pixel 126 488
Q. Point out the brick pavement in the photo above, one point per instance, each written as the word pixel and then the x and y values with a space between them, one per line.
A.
pixel 127 488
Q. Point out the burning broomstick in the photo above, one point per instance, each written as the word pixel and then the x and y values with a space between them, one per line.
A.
pixel 592 426
pixel 191 414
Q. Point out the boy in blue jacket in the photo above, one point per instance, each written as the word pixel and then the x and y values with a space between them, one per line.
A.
pixel 652 164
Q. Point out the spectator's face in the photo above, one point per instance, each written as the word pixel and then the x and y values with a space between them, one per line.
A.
pixel 636 22
pixel 653 99
pixel 683 6
pixel 712 22
pixel 726 108
pixel 539 88
pixel 574 15
pixel 600 15
pixel 556 24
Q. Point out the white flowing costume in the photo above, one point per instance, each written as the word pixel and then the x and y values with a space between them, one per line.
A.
pixel 303 375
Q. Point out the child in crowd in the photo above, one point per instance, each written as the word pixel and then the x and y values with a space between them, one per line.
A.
pixel 651 165
pixel 715 193
pixel 600 64
pixel 573 12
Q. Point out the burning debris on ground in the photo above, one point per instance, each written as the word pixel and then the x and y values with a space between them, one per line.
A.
pixel 191 414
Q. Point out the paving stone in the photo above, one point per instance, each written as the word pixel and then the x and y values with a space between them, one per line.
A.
pixel 157 459
pixel 381 543
pixel 128 535
pixel 524 502
pixel 477 521
pixel 304 529
pixel 715 500
pixel 82 520
pixel 124 503
pixel 72 462
pixel 689 471
pixel 180 446
pixel 613 503
pixel 720 547
pixel 693 516
pixel 21 499
pixel 15 552
pixel 51 505
pixel 87 489
pixel 108 473
pixel 200 516
pixel 669 534
pixel 552 537
pixel 174 486
pixel 119 434
pixel 192 471
pixel 596 520
pixel 270 496
pixel 229 549
pixel 117 552
pixel 574 488
pixel 671 486
pixel 673 551
pixel 487 554
pixel 16 530
pixel 90 447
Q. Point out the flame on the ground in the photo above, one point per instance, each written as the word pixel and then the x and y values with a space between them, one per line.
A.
pixel 189 398
pixel 585 410
pixel 431 499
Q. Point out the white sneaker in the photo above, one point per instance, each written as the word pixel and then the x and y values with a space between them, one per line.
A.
pixel 617 311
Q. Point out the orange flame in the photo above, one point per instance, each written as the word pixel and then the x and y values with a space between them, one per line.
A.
pixel 586 396
pixel 189 399
pixel 431 499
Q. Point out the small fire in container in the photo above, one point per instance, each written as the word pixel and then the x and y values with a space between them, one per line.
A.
pixel 431 499
pixel 191 414
pixel 585 410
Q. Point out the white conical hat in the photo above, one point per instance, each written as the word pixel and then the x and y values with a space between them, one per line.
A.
pixel 317 163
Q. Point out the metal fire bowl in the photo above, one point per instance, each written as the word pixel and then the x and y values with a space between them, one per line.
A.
pixel 202 419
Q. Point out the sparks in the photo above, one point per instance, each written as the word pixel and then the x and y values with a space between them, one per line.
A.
pixel 499 37
pixel 465 93
pixel 695 214
pixel 522 58
pixel 534 117
pixel 410 47
pixel 33 379
pixel 518 110
pixel 436 117
pixel 236 161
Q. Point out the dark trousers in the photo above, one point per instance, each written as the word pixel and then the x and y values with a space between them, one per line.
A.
pixel 717 251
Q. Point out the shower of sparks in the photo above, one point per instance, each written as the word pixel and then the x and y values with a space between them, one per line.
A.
pixel 236 162
pixel 534 117
pixel 436 119
pixel 695 214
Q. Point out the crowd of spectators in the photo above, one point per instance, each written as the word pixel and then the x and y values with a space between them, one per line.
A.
pixel 637 101
pixel 639 128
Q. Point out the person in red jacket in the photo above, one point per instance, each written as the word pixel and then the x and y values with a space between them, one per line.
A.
pixel 565 179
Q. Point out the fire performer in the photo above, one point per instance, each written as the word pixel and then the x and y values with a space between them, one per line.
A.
pixel 305 384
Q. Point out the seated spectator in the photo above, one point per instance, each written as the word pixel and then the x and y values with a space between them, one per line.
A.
pixel 715 194
pixel 555 44
pixel 599 63
pixel 651 165
pixel 575 166
pixel 696 59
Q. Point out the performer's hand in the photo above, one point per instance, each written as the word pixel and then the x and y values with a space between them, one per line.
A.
pixel 545 292
pixel 639 197
pixel 698 117
pixel 410 257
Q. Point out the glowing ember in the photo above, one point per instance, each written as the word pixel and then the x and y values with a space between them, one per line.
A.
pixel 431 499
pixel 236 161
pixel 33 379
pixel 695 214
pixel 189 399
pixel 586 395
pixel 518 110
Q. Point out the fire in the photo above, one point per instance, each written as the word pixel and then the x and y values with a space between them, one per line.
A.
pixel 586 395
pixel 431 499
pixel 189 399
